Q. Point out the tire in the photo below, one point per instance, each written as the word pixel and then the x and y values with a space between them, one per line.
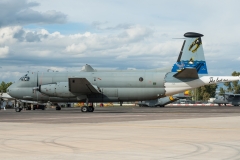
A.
pixel 84 109
pixel 90 109
pixel 18 109
pixel 58 108
pixel 43 108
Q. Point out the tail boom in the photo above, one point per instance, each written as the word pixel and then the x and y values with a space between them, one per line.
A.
pixel 180 86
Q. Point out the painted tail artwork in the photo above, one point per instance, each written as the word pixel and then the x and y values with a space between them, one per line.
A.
pixel 191 61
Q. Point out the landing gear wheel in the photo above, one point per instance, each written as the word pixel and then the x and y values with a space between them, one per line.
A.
pixel 43 108
pixel 18 109
pixel 58 108
pixel 90 109
pixel 162 106
pixel 84 109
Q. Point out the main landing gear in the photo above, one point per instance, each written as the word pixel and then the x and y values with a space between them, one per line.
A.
pixel 87 109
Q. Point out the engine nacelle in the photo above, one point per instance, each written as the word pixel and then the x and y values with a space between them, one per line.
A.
pixel 60 89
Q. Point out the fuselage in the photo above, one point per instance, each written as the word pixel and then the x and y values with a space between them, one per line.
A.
pixel 114 86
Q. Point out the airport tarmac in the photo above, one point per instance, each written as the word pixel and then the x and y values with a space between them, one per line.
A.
pixel 173 132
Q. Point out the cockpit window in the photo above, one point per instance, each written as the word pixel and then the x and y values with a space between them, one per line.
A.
pixel 25 78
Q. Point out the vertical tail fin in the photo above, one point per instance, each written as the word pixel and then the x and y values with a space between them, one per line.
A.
pixel 191 61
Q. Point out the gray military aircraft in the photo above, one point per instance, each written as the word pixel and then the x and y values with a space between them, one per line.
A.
pixel 228 98
pixel 190 71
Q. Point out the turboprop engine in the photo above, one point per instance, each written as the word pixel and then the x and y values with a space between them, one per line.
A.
pixel 59 89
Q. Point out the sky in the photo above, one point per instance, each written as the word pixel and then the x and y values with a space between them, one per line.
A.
pixel 60 35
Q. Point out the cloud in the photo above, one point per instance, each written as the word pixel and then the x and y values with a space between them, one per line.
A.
pixel 20 12
pixel 29 36
pixel 105 26
pixel 116 35
pixel 29 48
pixel 7 33
pixel 89 43
pixel 79 48
pixel 4 51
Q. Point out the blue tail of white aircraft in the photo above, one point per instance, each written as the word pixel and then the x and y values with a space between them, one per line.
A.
pixel 191 61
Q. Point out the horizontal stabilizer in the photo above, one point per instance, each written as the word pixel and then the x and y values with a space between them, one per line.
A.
pixel 187 73
pixel 81 85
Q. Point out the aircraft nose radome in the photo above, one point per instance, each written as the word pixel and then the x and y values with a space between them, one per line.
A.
pixel 10 90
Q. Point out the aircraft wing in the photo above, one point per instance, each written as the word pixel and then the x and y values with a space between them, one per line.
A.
pixel 82 86
pixel 6 97
pixel 187 73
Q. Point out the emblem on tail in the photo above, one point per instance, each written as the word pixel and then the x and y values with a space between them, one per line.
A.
pixel 195 44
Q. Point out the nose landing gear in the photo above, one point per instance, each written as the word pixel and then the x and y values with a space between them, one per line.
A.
pixel 18 109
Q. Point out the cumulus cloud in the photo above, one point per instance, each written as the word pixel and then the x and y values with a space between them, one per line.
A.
pixel 7 33
pixel 79 48
pixel 89 43
pixel 20 12
pixel 114 35
pixel 4 51
pixel 30 36
pixel 40 48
